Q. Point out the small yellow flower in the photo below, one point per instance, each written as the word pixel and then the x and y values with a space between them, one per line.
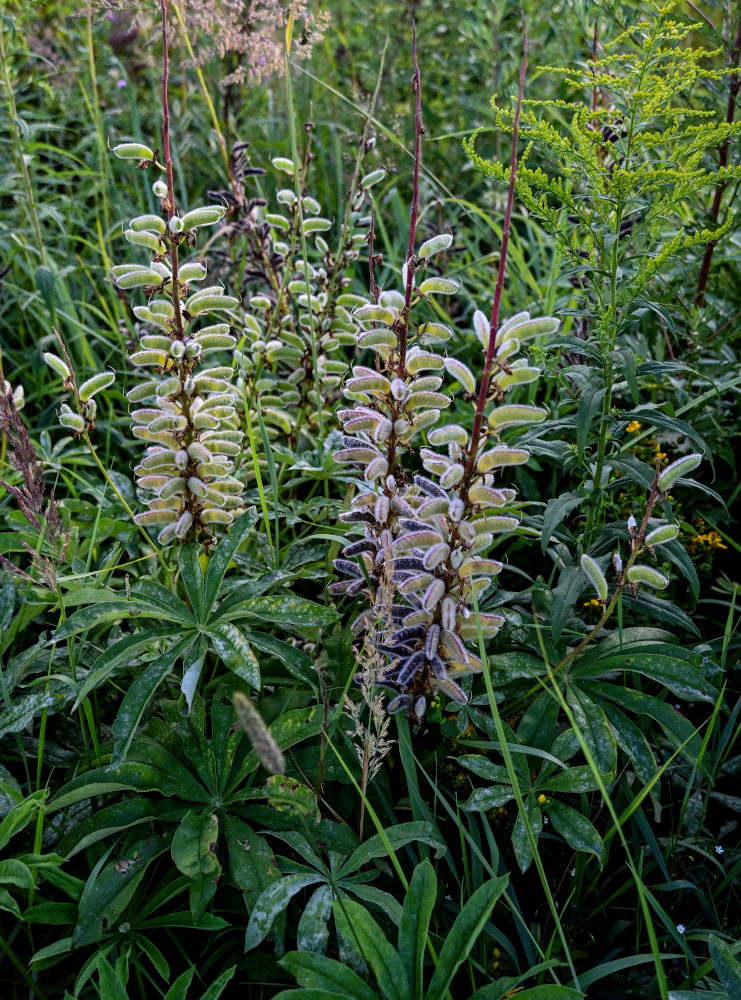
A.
pixel 542 799
pixel 633 426
pixel 594 603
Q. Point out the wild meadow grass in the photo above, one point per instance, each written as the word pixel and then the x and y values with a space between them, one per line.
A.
pixel 369 497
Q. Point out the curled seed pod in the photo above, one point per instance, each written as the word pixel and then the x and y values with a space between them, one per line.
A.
pixel 96 384
pixel 401 703
pixel 432 640
pixel 435 245
pixel 133 151
pixel 57 365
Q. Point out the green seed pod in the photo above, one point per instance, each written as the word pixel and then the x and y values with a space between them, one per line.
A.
pixel 677 469
pixel 207 215
pixel 155 342
pixel 310 205
pixel 647 575
pixel 435 245
pixel 70 420
pixel 137 279
pixel 664 533
pixel 200 303
pixel 216 516
pixel 286 197
pixel 436 332
pixel 133 151
pixel 372 178
pixel 376 313
pixel 419 361
pixel 527 328
pixel 498 457
pixel 439 286
pixel 144 239
pixel 95 384
pixel 160 189
pixel 156 517
pixel 516 414
pixel 154 223
pixel 284 164
pixel 461 373
pixel 518 376
pixel 193 270
pixel 145 390
pixel 596 576
pixel 56 364
pixel 317 225
pixel 277 221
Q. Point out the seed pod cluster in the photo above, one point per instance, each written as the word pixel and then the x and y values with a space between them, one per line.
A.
pixel 297 326
pixel 184 406
pixel 423 561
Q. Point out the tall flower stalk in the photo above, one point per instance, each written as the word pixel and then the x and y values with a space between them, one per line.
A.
pixel 424 558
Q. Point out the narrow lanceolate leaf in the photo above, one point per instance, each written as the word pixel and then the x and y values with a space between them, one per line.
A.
pixel 647 575
pixel 271 903
pixel 141 691
pixel 324 977
pixel 369 941
pixel 677 469
pixel 415 920
pixel 576 829
pixel 313 927
pixel 727 966
pixel 463 935
pixel 235 652
pixel 596 576
pixel 397 836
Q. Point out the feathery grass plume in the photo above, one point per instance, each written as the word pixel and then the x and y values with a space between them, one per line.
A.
pixel 185 407
pixel 430 533
pixel 247 33
pixel 263 742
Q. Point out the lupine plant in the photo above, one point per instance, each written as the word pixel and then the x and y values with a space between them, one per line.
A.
pixel 424 557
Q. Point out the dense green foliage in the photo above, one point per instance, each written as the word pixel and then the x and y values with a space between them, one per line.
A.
pixel 369 495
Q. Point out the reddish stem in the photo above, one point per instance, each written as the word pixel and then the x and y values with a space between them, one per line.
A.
pixel 403 328
pixel 168 167
pixel 734 57
pixel 494 322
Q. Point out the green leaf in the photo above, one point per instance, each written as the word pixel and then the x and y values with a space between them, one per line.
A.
pixel 285 610
pixel 397 836
pixel 318 973
pixel 161 602
pixel 570 585
pixel 192 668
pixel 190 567
pixel 20 816
pixel 727 967
pixel 235 652
pixel 14 872
pixel 223 555
pixel 463 935
pixel 219 984
pixel 682 678
pixel 520 839
pixel 576 829
pixel 589 403
pixel 179 989
pixel 107 892
pixel 485 768
pixel 298 664
pixel 118 653
pixel 313 927
pixel 97 614
pixel 139 694
pixel 419 903
pixel 556 511
pixel 369 941
pixel 8 904
pixel 483 799
pixel 631 741
pixel 382 900
pixel 111 987
pixel 592 724
pixel 194 845
pixel 573 779
pixel 271 903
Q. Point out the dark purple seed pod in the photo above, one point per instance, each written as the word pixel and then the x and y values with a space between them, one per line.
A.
pixel 409 525
pixel 355 586
pixel 401 703
pixel 340 587
pixel 410 668
pixel 408 562
pixel 398 612
pixel 407 634
pixel 438 668
pixel 398 649
pixel 357 517
pixel 401 575
pixel 431 489
pixel 355 548
pixel 347 567
pixel 433 638
pixel 353 442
